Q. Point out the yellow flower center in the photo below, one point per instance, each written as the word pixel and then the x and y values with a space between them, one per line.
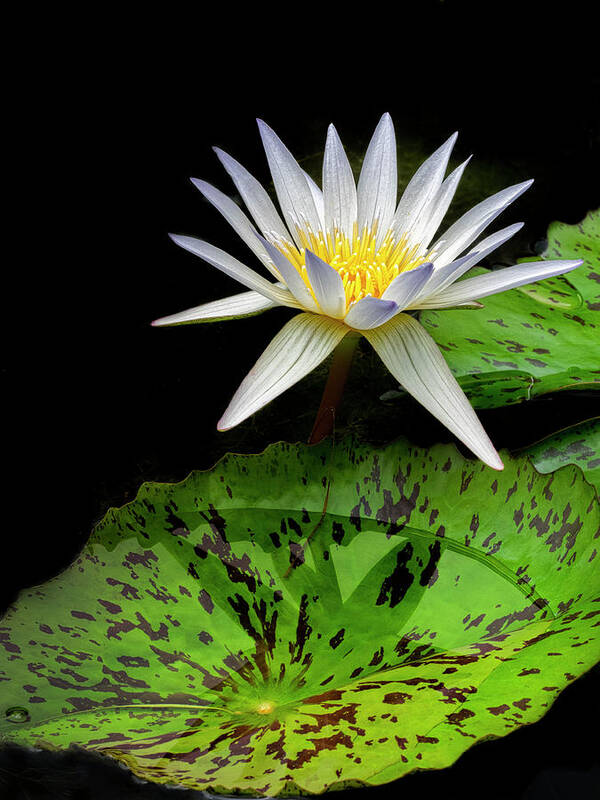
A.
pixel 266 707
pixel 365 267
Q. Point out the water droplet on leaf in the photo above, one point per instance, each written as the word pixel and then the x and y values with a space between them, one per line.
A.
pixel 17 714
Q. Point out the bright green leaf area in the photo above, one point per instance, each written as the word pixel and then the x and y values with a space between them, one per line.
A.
pixel 314 617
pixel 536 339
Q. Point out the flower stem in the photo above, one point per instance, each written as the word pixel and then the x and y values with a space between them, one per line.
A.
pixel 334 388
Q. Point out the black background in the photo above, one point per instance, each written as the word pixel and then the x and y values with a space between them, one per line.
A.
pixel 122 108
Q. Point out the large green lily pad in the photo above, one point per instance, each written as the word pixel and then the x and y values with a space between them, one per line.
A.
pixel 536 339
pixel 311 618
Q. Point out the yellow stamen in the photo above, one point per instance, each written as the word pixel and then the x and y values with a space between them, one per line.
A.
pixel 366 267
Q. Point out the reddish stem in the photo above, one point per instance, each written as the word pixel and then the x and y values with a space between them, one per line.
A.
pixel 334 388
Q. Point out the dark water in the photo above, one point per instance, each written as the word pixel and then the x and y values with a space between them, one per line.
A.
pixel 97 401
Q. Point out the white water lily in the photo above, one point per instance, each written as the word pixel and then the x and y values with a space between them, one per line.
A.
pixel 350 259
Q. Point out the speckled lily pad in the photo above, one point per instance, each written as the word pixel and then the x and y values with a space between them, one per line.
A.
pixel 535 339
pixel 311 618
pixel 579 444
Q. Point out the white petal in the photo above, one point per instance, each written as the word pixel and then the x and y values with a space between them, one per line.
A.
pixel 294 193
pixel 422 188
pixel 444 276
pixel 370 312
pixel 465 230
pixel 499 281
pixel 237 219
pixel 257 201
pixel 414 359
pixel 406 286
pixel 317 196
pixel 239 305
pixel 297 349
pixel 378 182
pixel 326 284
pixel 235 269
pixel 339 188
pixel 291 277
pixel 436 211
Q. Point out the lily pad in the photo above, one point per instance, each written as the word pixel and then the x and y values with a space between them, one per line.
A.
pixel 578 444
pixel 311 618
pixel 535 339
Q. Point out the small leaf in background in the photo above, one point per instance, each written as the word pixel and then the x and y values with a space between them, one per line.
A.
pixel 313 617
pixel 536 339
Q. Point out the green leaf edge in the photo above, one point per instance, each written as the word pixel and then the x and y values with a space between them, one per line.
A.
pixel 588 382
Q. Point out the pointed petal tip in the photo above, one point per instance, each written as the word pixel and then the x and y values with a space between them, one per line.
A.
pixel 161 322
pixel 226 422
pixel 515 190
pixel 566 265
pixel 449 143
pixel 316 260
pixel 385 119
pixel 492 459
pixel 265 131
pixel 204 187
pixel 199 184
pixel 225 159
pixel 180 239
pixel 332 132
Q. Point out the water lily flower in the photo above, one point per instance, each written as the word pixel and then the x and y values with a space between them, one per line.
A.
pixel 351 260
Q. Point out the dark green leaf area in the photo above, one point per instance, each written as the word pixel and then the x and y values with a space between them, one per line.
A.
pixel 310 618
pixel 536 339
